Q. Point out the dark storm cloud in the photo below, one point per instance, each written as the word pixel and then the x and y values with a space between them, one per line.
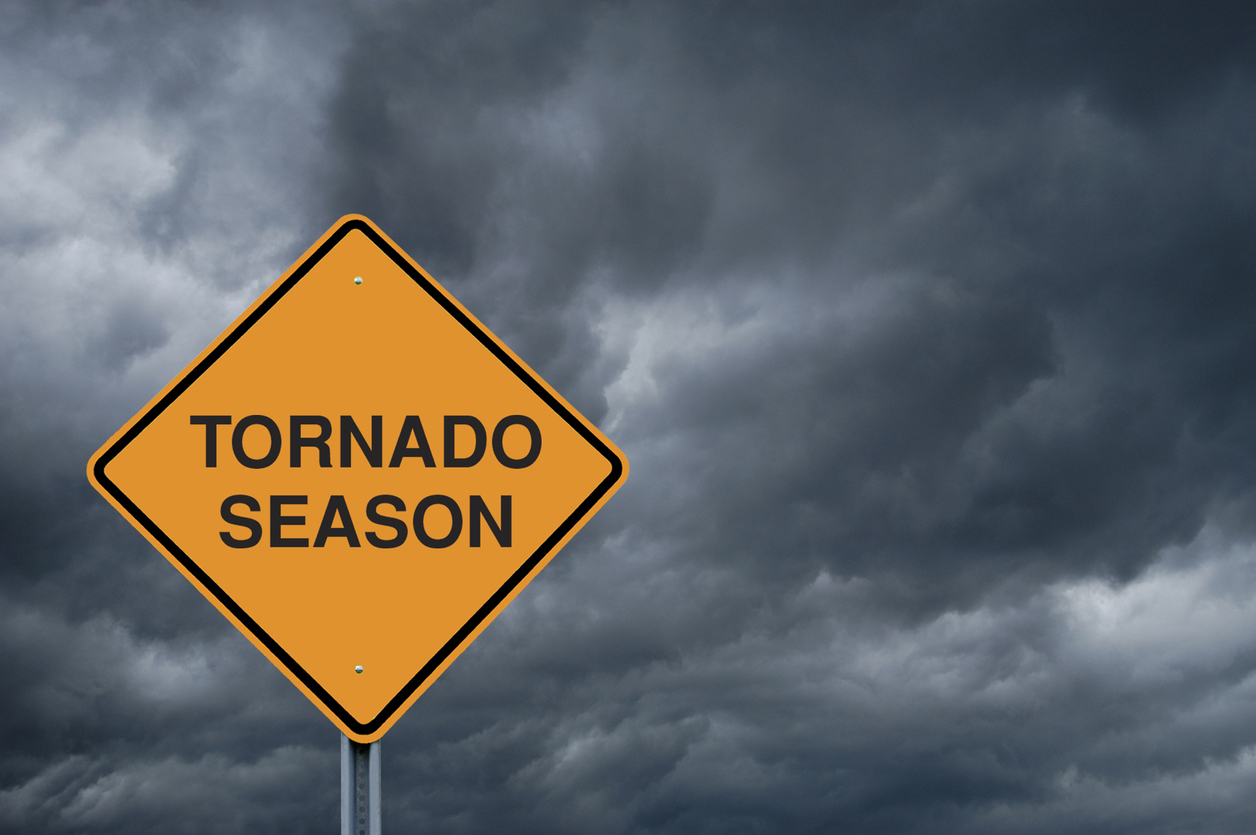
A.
pixel 926 329
pixel 814 716
pixel 138 146
pixel 1043 233
pixel 935 302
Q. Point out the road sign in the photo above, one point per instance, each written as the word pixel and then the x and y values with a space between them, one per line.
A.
pixel 359 475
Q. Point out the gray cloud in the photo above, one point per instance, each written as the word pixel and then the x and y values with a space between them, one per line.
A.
pixel 924 328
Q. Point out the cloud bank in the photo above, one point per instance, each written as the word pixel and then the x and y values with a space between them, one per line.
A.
pixel 926 330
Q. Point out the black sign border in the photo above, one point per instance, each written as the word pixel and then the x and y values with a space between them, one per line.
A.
pixel 395 704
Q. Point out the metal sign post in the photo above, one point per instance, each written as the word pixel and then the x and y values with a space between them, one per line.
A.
pixel 359 787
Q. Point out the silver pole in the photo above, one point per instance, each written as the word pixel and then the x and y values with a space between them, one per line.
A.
pixel 346 786
pixel 359 787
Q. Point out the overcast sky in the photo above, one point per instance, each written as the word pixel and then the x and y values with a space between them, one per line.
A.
pixel 929 332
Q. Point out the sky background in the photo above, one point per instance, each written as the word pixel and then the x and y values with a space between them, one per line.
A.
pixel 929 332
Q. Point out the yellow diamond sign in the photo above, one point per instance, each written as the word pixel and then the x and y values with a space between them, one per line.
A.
pixel 359 475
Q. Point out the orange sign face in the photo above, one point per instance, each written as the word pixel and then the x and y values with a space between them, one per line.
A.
pixel 359 475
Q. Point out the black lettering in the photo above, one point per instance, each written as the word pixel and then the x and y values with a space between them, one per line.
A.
pixel 237 442
pixel 451 459
pixel 412 427
pixel 455 522
pixel 254 526
pixel 373 514
pixel 499 436
pixel 336 507
pixel 349 432
pixel 278 520
pixel 298 443
pixel 211 424
pixel 479 510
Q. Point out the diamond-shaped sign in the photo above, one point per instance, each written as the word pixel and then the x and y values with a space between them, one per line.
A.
pixel 359 475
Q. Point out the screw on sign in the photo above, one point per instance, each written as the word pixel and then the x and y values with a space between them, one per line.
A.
pixel 357 430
